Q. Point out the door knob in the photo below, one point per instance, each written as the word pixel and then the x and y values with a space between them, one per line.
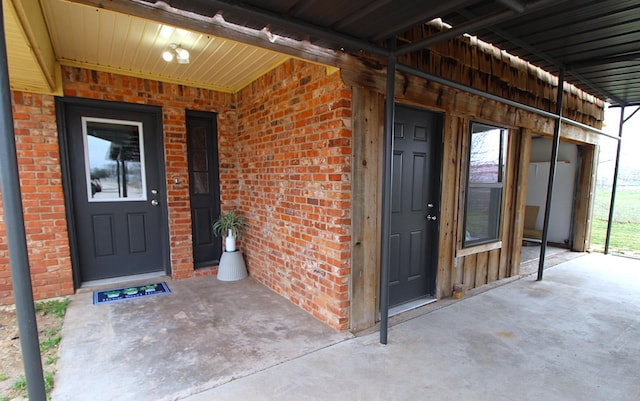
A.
pixel 430 217
pixel 154 202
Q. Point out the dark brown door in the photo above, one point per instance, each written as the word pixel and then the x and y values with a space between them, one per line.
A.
pixel 117 187
pixel 415 195
pixel 204 186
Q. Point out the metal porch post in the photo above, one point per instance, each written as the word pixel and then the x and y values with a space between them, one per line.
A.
pixel 386 195
pixel 16 239
pixel 615 182
pixel 552 171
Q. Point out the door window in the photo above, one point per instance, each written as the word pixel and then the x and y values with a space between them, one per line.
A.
pixel 114 160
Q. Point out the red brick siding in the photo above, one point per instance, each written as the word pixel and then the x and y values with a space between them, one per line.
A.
pixel 42 200
pixel 285 154
pixel 294 160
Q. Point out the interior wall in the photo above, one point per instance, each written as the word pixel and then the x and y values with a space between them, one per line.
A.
pixel 563 198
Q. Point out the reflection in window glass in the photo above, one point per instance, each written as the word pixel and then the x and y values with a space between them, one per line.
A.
pixel 114 160
pixel 483 204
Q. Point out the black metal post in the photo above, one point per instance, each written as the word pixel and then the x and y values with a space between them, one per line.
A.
pixel 552 171
pixel 16 239
pixel 614 185
pixel 389 118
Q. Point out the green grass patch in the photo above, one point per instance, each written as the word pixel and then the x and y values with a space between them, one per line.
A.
pixel 625 231
pixel 49 341
pixel 20 385
pixel 55 307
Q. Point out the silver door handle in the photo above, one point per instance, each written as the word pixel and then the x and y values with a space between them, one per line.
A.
pixel 430 217
pixel 154 202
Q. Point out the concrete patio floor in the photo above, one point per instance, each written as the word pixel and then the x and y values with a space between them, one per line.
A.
pixel 573 336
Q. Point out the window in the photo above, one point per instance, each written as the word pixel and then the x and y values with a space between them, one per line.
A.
pixel 485 182
pixel 114 160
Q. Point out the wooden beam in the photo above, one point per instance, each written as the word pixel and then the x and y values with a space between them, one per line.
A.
pixel 366 207
pixel 511 266
pixel 447 268
pixel 584 199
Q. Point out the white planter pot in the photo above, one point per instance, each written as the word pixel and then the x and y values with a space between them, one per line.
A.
pixel 232 267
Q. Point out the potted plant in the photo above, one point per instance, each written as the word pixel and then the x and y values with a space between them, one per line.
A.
pixel 231 267
pixel 231 225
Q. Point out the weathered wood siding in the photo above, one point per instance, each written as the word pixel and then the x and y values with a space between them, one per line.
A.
pixel 470 267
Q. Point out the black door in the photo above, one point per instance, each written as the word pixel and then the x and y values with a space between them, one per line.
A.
pixel 204 187
pixel 117 188
pixel 415 193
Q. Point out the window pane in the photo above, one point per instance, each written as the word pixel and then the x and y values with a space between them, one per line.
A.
pixel 200 183
pixel 483 215
pixel 114 160
pixel 485 162
pixel 483 203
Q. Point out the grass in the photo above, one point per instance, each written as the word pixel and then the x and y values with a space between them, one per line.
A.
pixel 56 307
pixel 49 340
pixel 625 230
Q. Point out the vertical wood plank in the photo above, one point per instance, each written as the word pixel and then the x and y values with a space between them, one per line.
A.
pixel 469 272
pixel 482 260
pixel 493 265
pixel 584 199
pixel 521 178
pixel 448 209
pixel 365 208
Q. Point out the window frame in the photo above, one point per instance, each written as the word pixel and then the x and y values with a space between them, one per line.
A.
pixel 493 241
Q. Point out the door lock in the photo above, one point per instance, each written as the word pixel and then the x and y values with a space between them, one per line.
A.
pixel 154 202
pixel 430 217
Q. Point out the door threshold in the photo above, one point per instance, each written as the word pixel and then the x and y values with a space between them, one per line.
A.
pixel 396 310
pixel 122 279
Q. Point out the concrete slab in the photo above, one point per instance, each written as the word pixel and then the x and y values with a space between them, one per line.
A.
pixel 573 336
pixel 166 347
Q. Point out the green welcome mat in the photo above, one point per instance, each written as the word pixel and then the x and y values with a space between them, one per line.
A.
pixel 121 294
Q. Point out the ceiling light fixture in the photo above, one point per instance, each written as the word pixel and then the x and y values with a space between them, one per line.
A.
pixel 176 51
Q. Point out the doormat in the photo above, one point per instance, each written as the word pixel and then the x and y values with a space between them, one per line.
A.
pixel 121 294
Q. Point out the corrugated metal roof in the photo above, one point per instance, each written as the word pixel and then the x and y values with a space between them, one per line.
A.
pixel 596 41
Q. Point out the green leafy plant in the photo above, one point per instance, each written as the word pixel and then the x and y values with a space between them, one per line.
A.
pixel 229 221
pixel 50 343
pixel 51 360
pixel 55 307
pixel 20 384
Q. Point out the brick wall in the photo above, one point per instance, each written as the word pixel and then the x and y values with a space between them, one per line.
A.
pixel 285 154
pixel 42 200
pixel 294 153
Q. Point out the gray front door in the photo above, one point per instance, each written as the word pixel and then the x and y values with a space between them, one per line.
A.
pixel 117 189
pixel 415 195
